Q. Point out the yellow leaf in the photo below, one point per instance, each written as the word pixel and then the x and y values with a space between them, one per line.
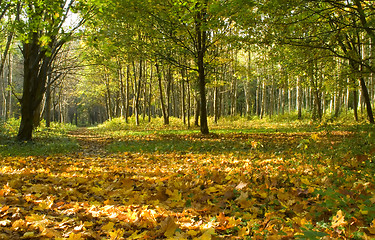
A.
pixel 28 234
pixel 305 181
pixel 338 220
pixel 192 233
pixel 243 232
pixel 135 235
pixel 207 235
pixel 315 136
pixel 212 190
pixel 175 195
pixel 170 227
pixel 75 236
pixel 50 233
pixel 108 227
pixel 116 234
pixel 88 224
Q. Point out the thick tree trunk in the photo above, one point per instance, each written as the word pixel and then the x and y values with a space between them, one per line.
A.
pixel 36 66
pixel 367 100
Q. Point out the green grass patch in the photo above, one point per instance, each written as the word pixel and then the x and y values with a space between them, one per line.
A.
pixel 46 141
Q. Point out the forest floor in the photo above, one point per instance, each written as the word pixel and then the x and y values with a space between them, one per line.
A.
pixel 316 184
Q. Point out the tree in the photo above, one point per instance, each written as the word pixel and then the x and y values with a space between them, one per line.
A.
pixel 42 34
pixel 338 27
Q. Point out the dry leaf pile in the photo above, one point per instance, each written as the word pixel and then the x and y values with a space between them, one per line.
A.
pixel 254 194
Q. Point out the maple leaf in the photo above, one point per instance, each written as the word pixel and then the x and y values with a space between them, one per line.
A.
pixel 338 220
pixel 170 227
pixel 108 227
pixel 135 235
pixel 207 235
pixel 75 236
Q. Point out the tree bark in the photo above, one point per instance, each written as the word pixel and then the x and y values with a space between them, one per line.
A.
pixel 299 99
pixel 164 112
pixel 367 100
pixel 201 51
pixel 48 103
pixel 36 66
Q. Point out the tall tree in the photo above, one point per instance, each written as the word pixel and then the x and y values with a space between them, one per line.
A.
pixel 42 34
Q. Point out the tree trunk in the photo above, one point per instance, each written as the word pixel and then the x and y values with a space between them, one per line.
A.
pixel 299 99
pixel 10 82
pixel 127 92
pixel 367 100
pixel 163 108
pixel 137 91
pixel 150 93
pixel 201 51
pixel 188 103
pixel 197 111
pixel 48 102
pixel 216 104
pixel 145 93
pixel 183 97
pixel 36 65
pixel 109 99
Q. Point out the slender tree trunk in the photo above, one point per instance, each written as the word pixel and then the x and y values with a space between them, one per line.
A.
pixel 5 53
pixel 197 111
pixel 145 92
pixel 169 79
pixel 188 102
pixel 127 93
pixel 216 104
pixel 122 90
pixel 109 98
pixel 150 93
pixel 10 82
pixel 201 51
pixel 183 97
pixel 137 91
pixel 48 101
pixel 163 107
pixel 264 100
pixel 299 99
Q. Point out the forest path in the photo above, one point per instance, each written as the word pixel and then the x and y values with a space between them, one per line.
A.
pixel 91 143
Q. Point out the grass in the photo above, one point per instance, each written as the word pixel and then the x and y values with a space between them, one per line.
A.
pixel 46 142
pixel 235 134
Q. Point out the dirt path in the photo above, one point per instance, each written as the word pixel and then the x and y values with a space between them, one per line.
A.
pixel 90 142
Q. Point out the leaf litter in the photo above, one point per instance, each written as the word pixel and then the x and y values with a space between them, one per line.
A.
pixel 271 186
